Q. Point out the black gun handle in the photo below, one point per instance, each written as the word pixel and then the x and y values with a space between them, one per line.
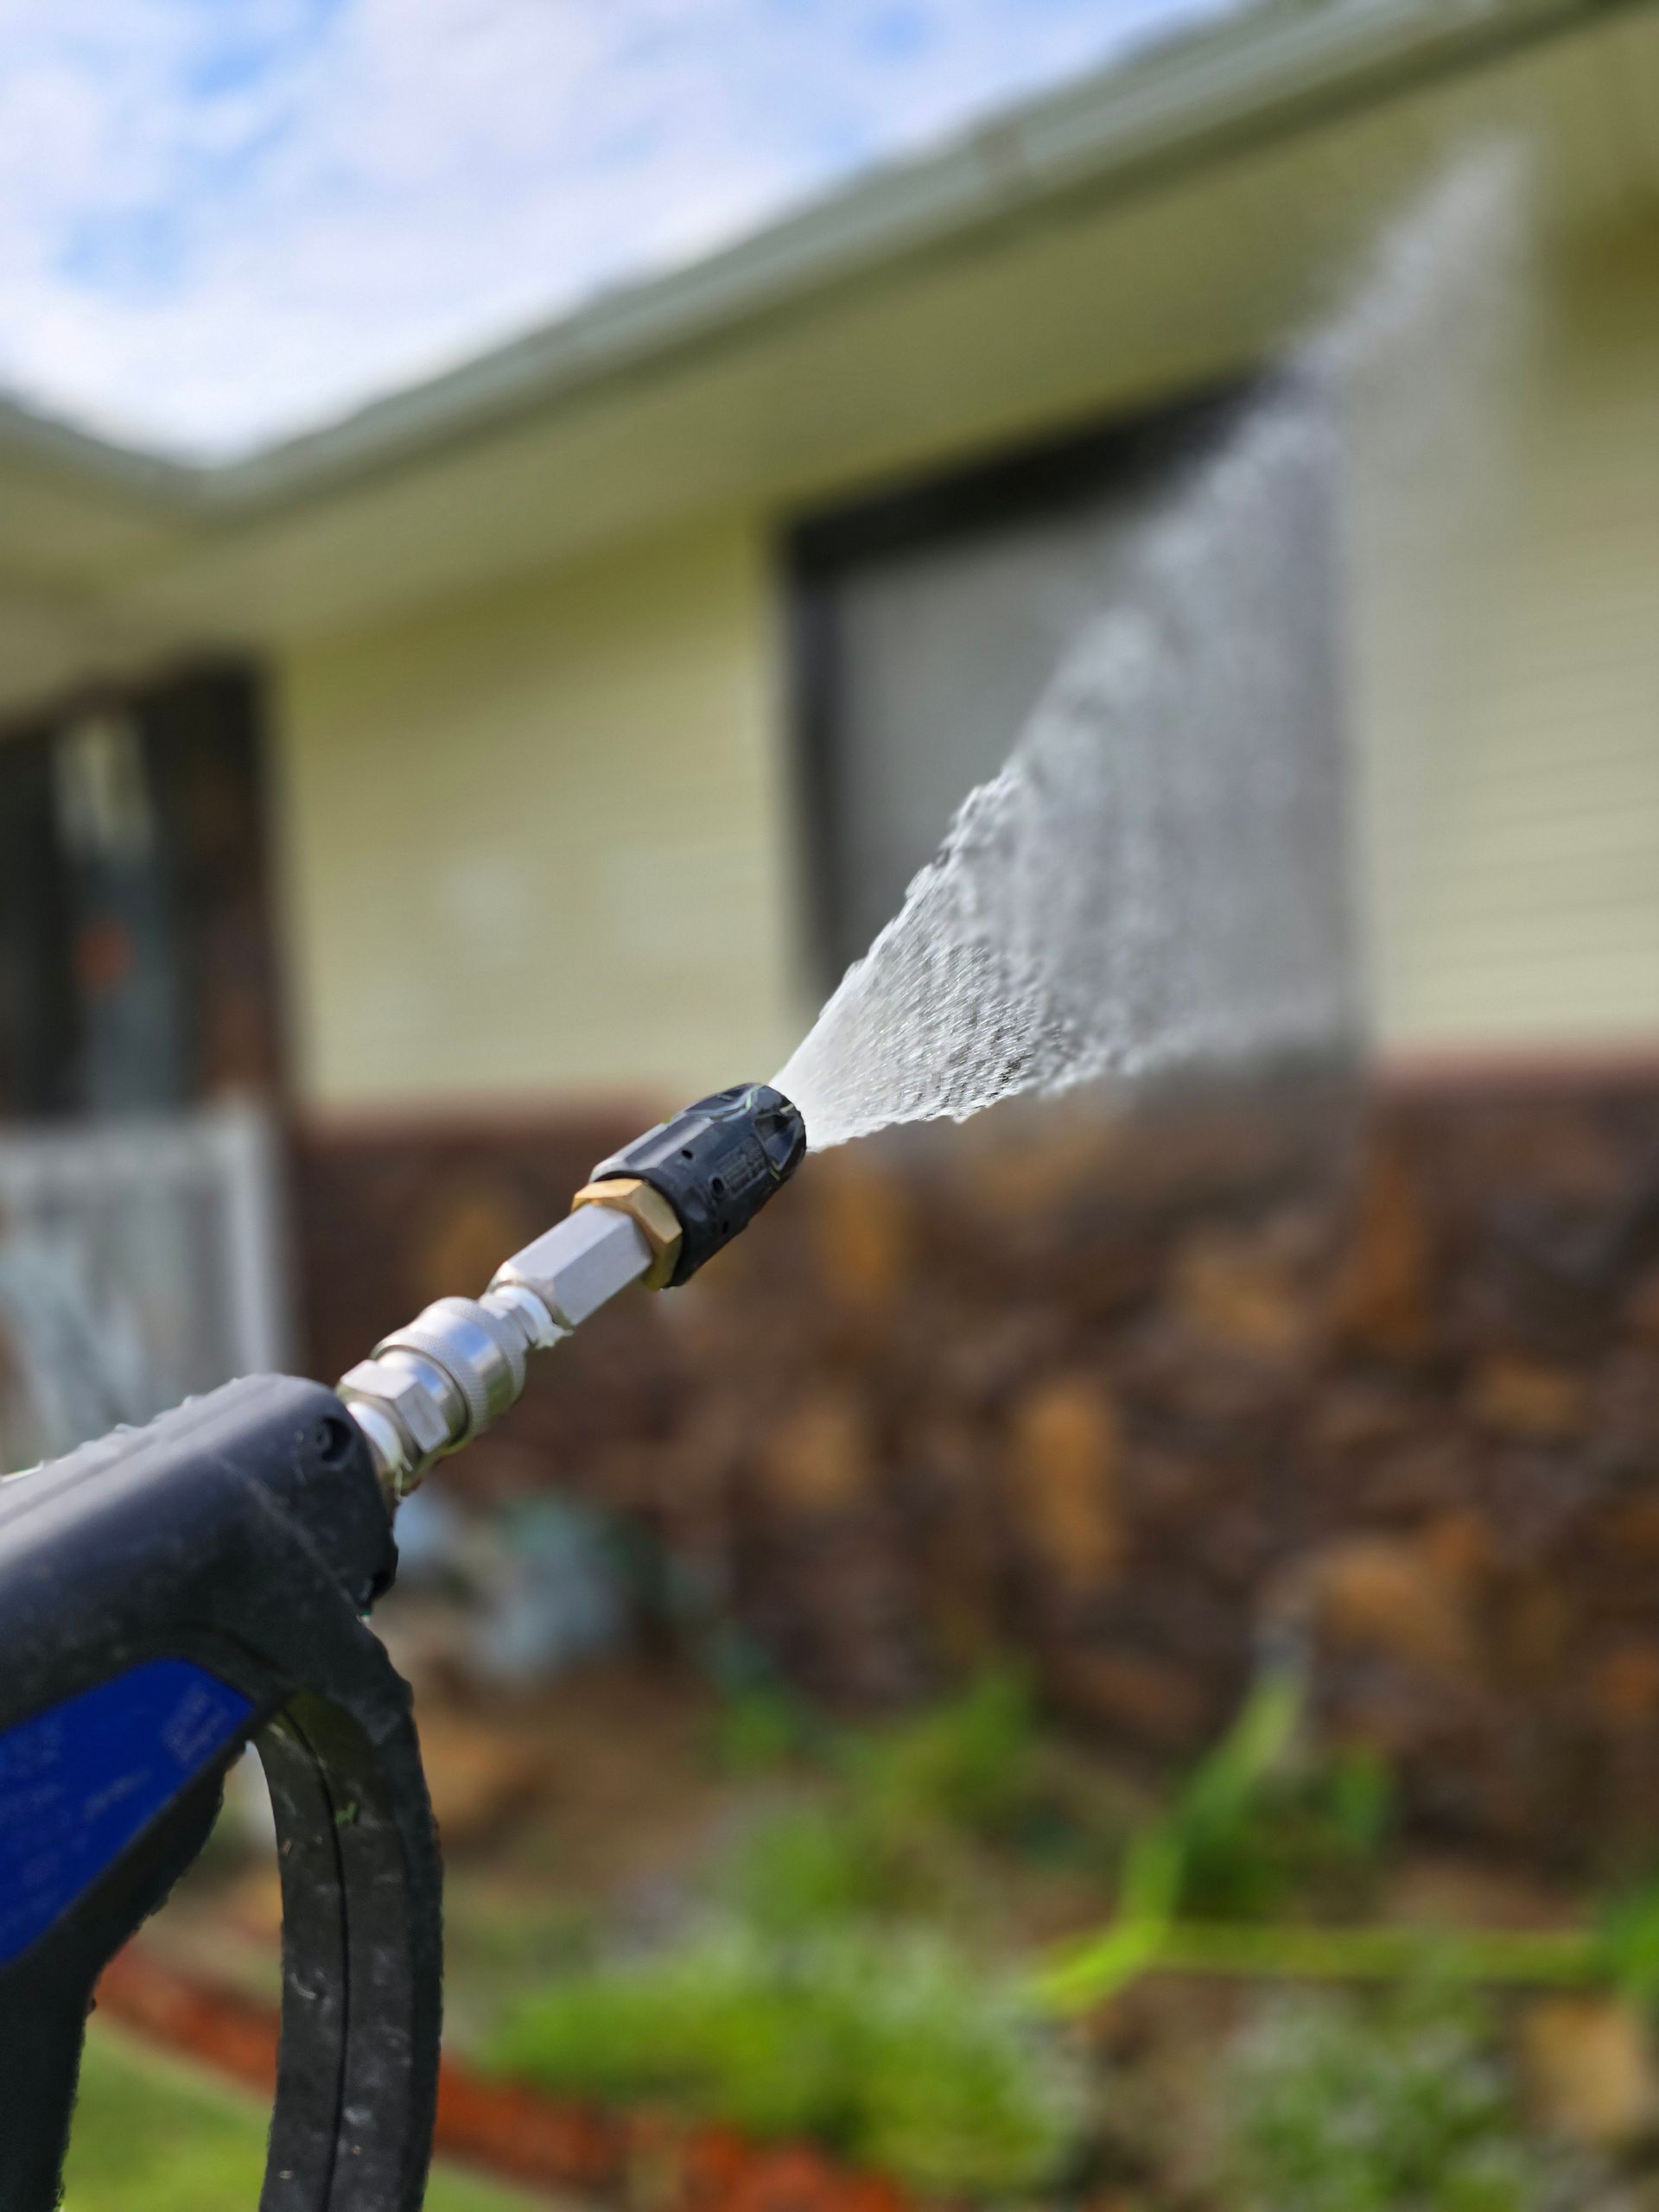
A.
pixel 165 1595
pixel 357 2077
pixel 41 2046
pixel 44 2003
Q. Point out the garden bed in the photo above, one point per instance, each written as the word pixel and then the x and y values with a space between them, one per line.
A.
pixel 718 1952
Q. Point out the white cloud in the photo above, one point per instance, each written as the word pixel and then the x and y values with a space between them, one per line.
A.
pixel 223 223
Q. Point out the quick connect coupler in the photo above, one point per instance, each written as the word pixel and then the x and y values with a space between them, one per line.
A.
pixel 652 1213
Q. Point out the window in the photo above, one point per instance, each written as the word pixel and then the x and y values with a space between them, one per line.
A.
pixel 135 964
pixel 927 623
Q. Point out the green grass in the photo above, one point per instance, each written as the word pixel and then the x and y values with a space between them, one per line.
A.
pixel 152 2135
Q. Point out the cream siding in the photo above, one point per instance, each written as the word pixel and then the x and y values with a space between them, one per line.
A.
pixel 541 839
pixel 1518 893
pixel 537 840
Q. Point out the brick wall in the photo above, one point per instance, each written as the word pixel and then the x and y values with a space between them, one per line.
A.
pixel 1382 1373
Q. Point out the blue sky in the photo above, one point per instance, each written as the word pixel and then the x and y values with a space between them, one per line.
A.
pixel 224 221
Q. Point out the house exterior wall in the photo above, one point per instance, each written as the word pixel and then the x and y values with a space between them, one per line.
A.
pixel 537 842
pixel 542 842
pixel 1513 826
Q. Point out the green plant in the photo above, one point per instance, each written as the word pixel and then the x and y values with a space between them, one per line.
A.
pixel 812 1865
pixel 1260 1819
pixel 967 1764
pixel 1259 1822
pixel 762 1726
pixel 1395 2105
pixel 1627 1938
pixel 889 2048
pixel 896 1811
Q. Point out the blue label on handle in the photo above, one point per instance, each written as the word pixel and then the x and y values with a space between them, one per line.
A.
pixel 79 1781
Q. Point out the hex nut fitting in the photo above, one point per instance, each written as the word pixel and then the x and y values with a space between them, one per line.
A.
pixel 406 1393
pixel 408 1410
pixel 579 1264
pixel 389 1448
pixel 658 1222
pixel 433 1385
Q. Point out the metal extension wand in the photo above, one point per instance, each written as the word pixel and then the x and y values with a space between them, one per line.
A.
pixel 651 1213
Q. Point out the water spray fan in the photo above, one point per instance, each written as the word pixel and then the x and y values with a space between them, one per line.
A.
pixel 170 1594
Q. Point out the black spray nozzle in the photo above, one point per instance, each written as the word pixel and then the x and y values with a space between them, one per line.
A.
pixel 716 1164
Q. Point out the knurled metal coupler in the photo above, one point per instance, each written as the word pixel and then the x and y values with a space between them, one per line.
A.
pixel 651 1214
pixel 434 1384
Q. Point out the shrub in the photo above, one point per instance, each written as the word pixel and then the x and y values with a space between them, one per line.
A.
pixel 889 2048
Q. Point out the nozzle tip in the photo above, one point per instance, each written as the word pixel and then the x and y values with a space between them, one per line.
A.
pixel 716 1164
pixel 779 1125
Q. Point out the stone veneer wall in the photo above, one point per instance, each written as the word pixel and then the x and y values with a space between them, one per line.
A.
pixel 1126 1398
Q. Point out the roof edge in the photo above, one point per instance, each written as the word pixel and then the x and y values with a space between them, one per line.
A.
pixel 1204 94
pixel 56 444
pixel 1252 75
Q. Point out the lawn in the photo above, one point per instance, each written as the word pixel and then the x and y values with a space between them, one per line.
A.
pixel 152 2135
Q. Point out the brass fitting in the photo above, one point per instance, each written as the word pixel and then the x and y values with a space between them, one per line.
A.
pixel 657 1221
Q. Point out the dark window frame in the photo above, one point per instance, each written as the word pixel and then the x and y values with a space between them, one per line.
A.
pixel 1014 485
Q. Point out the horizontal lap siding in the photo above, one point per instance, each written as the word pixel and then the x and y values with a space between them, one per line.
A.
pixel 1518 892
pixel 536 840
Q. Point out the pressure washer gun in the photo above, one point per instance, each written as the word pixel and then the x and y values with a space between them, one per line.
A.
pixel 170 1594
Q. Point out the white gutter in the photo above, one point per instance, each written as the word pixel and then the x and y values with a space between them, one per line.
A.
pixel 59 447
pixel 1263 74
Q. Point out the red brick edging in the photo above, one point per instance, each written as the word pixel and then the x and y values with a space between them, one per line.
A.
pixel 508 2128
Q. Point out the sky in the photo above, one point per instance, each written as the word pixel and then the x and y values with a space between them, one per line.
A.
pixel 225 222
